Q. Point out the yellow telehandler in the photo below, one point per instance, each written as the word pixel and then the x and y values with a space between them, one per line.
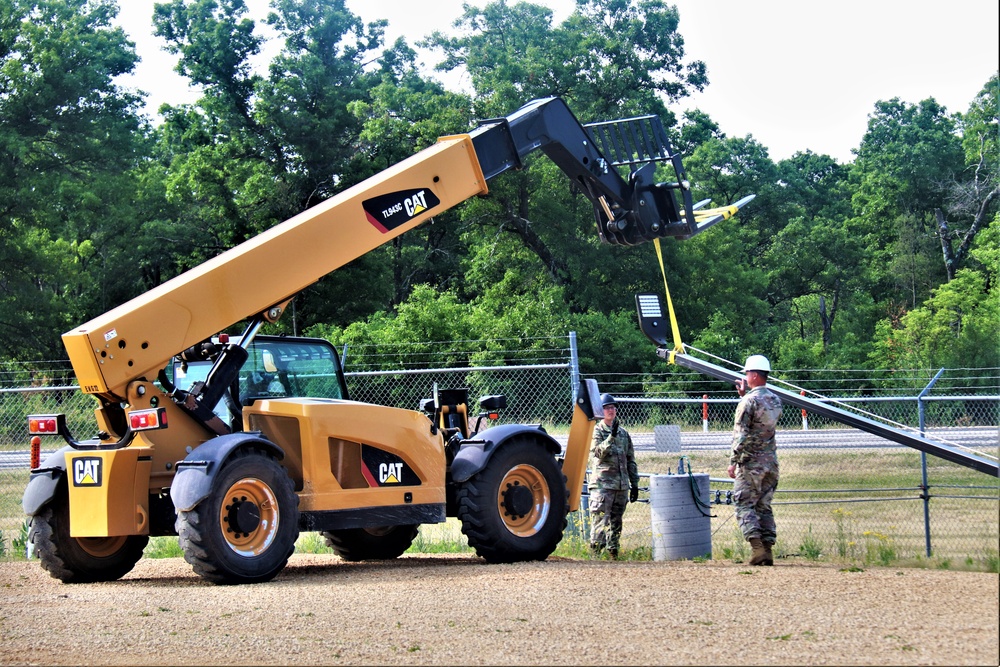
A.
pixel 236 445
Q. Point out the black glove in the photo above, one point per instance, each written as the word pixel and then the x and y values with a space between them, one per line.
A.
pixel 614 429
pixel 633 494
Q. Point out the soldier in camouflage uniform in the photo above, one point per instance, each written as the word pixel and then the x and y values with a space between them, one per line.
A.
pixel 754 460
pixel 614 479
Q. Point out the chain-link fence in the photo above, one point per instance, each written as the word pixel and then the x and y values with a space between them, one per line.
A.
pixel 843 493
pixel 536 394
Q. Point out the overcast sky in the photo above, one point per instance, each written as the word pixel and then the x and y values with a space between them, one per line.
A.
pixel 795 74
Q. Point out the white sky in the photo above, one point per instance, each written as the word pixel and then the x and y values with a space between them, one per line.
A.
pixel 794 74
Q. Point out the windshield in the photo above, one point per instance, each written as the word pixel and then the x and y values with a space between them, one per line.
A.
pixel 292 367
pixel 276 368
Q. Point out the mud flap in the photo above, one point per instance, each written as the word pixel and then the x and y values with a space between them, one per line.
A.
pixel 44 481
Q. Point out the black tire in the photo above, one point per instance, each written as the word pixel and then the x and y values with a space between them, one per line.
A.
pixel 80 560
pixel 383 543
pixel 246 528
pixel 515 508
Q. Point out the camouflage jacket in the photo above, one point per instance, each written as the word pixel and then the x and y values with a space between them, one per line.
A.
pixel 753 428
pixel 612 460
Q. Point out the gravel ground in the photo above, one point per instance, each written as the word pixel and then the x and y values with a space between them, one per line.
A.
pixel 457 610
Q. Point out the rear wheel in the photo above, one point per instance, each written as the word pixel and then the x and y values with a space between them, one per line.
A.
pixel 246 528
pixel 382 543
pixel 80 560
pixel 515 508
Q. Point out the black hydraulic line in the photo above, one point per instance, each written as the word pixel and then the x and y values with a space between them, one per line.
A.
pixel 924 444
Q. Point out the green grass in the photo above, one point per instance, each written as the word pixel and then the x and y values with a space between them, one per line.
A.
pixel 163 547
pixel 312 543
pixel 834 506
pixel 441 538
pixel 887 529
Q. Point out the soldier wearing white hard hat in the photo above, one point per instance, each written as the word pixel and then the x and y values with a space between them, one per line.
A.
pixel 754 459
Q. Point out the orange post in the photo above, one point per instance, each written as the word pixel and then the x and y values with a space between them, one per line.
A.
pixel 36 452
pixel 805 419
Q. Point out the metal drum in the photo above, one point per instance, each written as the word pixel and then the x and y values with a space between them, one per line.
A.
pixel 681 526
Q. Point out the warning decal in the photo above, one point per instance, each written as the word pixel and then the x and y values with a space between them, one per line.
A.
pixel 389 211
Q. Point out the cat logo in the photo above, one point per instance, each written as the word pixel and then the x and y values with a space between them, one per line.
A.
pixel 382 468
pixel 416 204
pixel 87 471
pixel 393 209
pixel 390 473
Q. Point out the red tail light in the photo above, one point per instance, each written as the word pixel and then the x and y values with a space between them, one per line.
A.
pixel 45 424
pixel 146 420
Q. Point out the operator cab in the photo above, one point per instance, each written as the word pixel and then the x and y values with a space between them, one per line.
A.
pixel 276 367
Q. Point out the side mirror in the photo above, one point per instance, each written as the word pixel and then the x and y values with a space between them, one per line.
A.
pixel 493 403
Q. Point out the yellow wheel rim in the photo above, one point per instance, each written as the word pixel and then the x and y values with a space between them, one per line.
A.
pixel 249 517
pixel 524 500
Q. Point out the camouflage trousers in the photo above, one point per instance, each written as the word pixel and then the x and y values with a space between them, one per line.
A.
pixel 752 493
pixel 606 510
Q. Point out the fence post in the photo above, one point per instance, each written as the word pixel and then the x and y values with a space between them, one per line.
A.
pixel 923 464
pixel 574 365
pixel 704 413
pixel 805 419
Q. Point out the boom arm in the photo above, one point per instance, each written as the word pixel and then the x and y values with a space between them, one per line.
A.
pixel 257 278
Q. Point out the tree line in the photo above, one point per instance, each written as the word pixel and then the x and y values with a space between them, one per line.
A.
pixel 890 261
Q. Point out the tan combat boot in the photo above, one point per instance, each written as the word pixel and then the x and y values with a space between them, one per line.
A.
pixel 761 554
pixel 769 557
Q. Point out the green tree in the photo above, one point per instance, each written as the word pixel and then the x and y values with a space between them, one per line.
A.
pixel 401 115
pixel 723 273
pixel 70 138
pixel 610 58
pixel 813 263
pixel 256 150
pixel 957 326
pixel 905 157
pixel 973 196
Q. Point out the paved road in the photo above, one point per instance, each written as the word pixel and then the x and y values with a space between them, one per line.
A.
pixel 983 439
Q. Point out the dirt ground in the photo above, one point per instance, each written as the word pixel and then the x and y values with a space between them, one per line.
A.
pixel 457 610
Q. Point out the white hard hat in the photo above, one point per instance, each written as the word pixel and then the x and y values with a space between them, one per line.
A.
pixel 757 362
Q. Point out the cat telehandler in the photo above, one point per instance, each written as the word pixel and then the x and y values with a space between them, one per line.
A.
pixel 236 444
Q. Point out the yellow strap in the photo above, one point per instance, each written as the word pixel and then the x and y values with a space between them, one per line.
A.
pixel 725 211
pixel 678 345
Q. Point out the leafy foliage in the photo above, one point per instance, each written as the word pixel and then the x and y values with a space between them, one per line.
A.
pixel 69 138
pixel 890 260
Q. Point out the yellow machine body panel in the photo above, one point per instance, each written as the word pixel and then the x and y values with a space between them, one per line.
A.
pixel 139 337
pixel 166 446
pixel 347 455
pixel 581 433
pixel 108 492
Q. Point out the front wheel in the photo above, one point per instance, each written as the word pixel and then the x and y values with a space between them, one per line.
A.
pixel 245 530
pixel 383 543
pixel 80 560
pixel 515 508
